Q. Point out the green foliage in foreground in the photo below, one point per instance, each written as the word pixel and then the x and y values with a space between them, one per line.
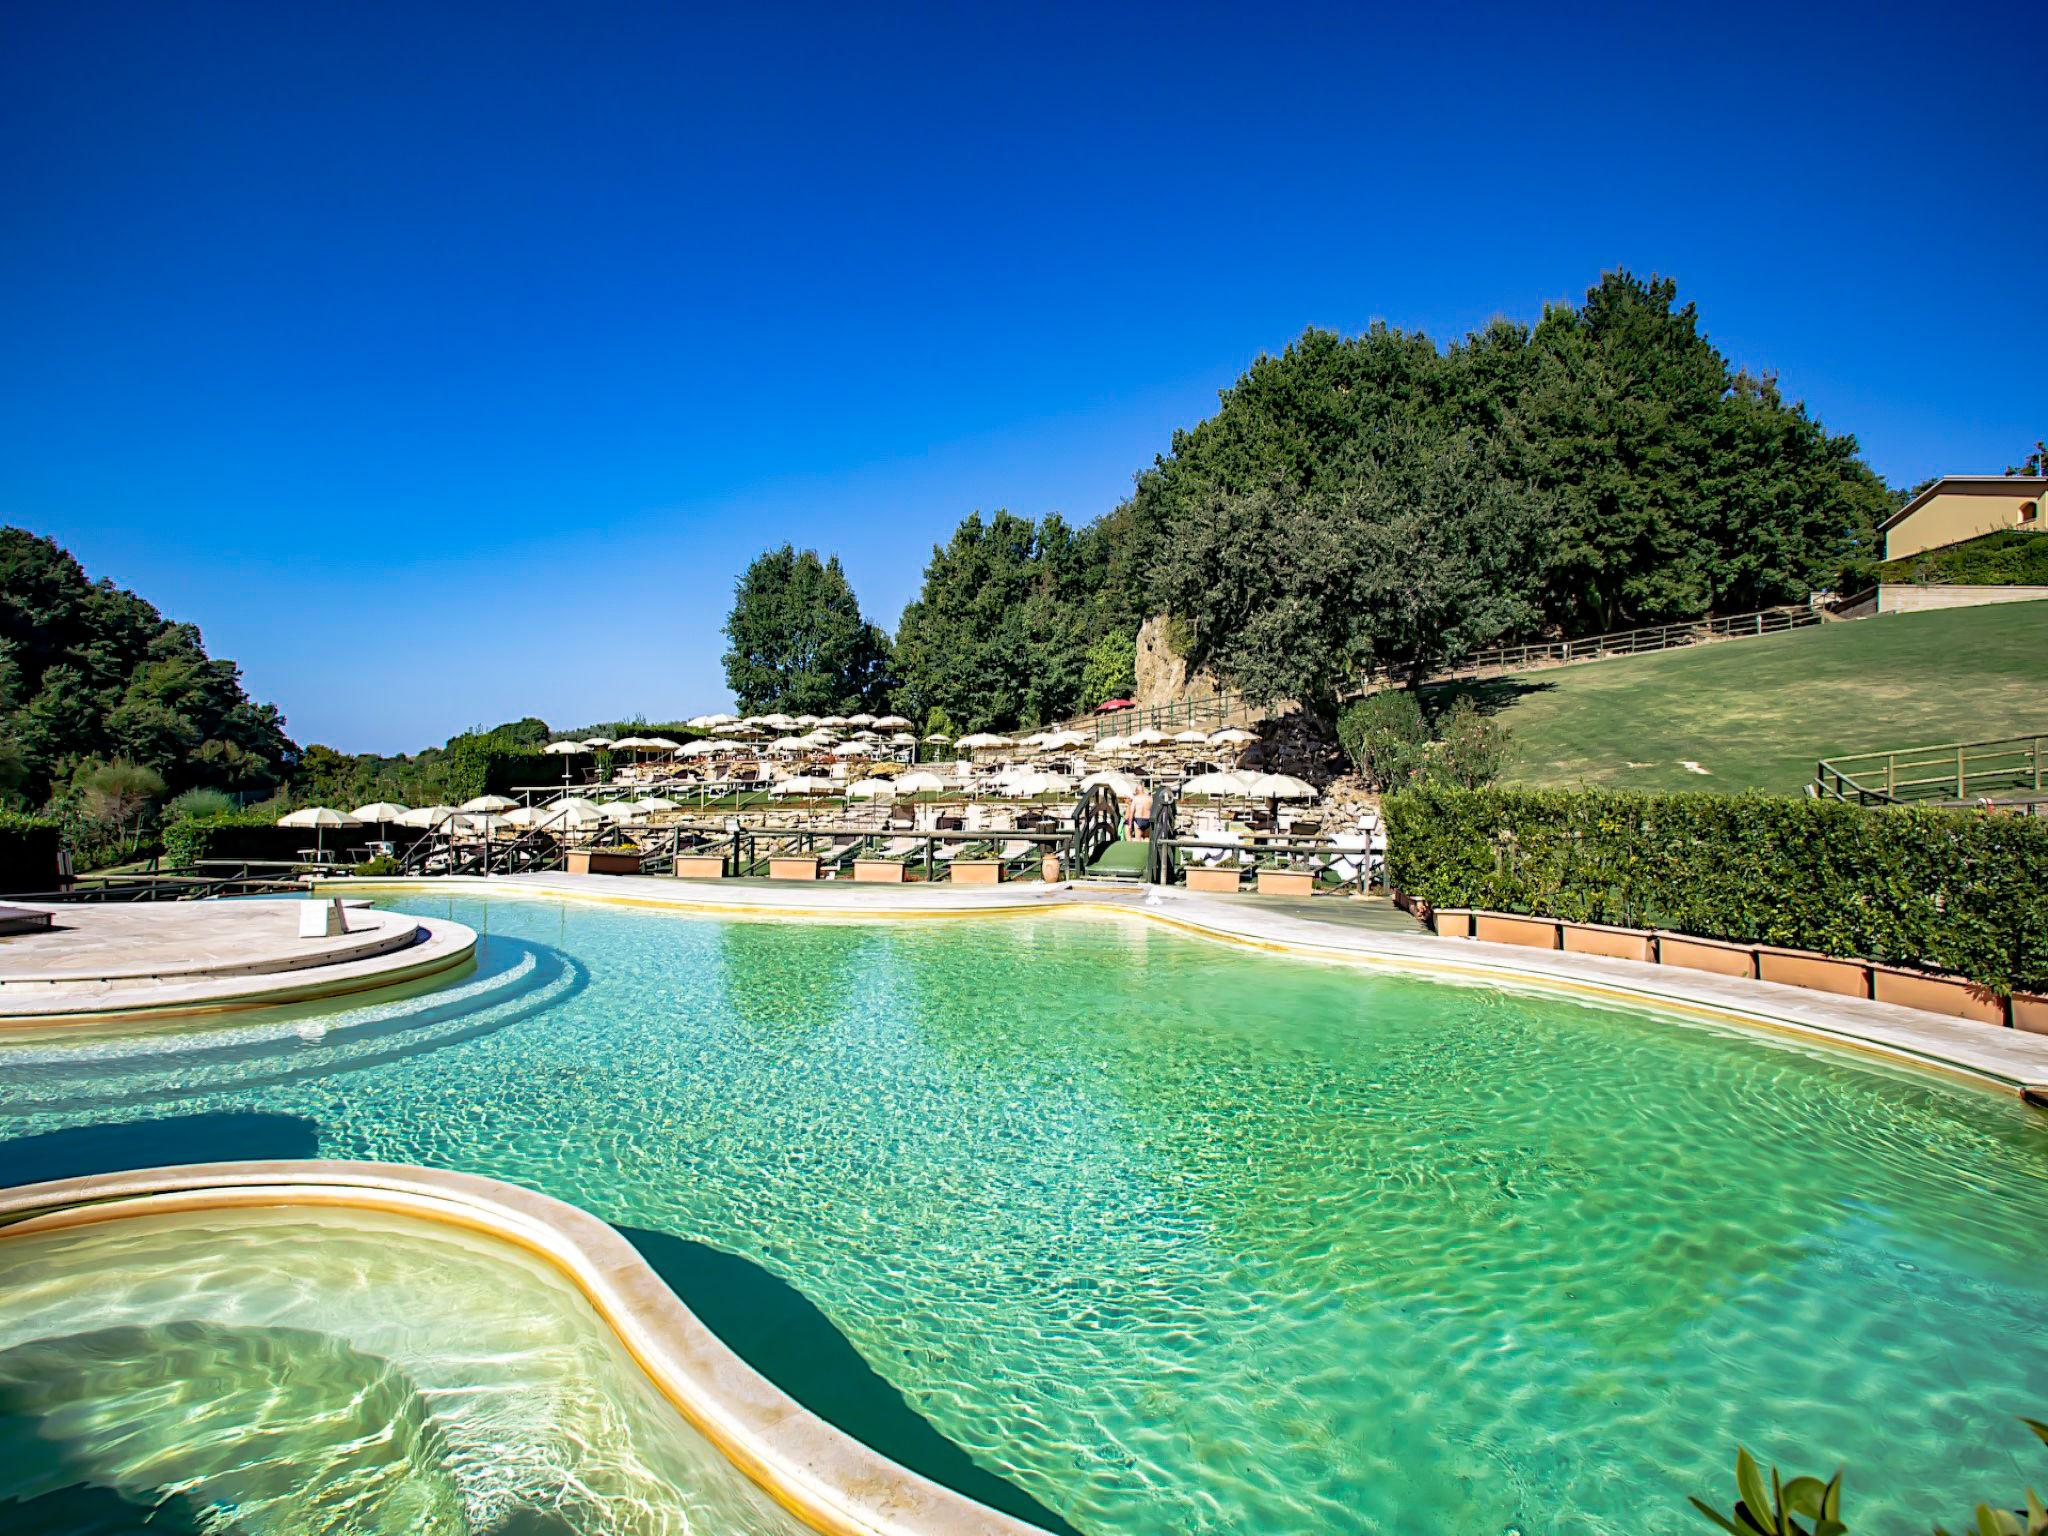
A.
pixel 1952 891
pixel 2008 558
pixel 1806 1506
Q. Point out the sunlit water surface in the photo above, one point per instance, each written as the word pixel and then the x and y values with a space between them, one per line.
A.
pixel 1181 1239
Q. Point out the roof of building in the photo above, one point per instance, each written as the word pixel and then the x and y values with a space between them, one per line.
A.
pixel 2024 484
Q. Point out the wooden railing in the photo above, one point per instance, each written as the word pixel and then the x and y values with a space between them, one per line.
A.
pixel 2012 768
pixel 1500 659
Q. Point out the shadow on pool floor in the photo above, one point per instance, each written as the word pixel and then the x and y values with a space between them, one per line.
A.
pixel 770 1325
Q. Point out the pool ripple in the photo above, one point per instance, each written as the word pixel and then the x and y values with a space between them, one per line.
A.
pixel 1180 1239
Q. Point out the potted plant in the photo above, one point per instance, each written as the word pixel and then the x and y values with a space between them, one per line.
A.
pixel 605 859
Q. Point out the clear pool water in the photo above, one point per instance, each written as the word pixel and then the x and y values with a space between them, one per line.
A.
pixel 1169 1237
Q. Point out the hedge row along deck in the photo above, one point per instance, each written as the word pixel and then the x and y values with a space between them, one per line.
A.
pixel 1955 893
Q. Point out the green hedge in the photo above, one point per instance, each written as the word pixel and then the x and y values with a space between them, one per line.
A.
pixel 28 852
pixel 253 835
pixel 1954 891
pixel 476 766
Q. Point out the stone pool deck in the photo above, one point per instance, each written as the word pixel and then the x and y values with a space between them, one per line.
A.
pixel 1359 933
pixel 109 961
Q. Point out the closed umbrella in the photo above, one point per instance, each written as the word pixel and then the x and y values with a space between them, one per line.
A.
pixel 319 818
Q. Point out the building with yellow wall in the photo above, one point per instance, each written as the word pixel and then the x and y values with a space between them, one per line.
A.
pixel 1958 507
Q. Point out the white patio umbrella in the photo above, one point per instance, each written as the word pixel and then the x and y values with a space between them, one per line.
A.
pixel 1060 740
pixel 1025 782
pixel 734 728
pixel 979 741
pixel 1113 744
pixel 891 722
pixel 706 722
pixel 938 738
pixel 1120 783
pixel 425 816
pixel 525 816
pixel 319 818
pixel 1218 784
pixel 487 803
pixel 483 825
pixel 570 814
pixel 1279 786
pixel 701 748
pixel 872 789
pixel 800 784
pixel 1149 738
pixel 597 743
pixel 834 720
pixel 629 743
pixel 563 748
pixel 656 803
pixel 1231 736
pixel 788 744
pixel 1190 738
pixel 919 783
pixel 379 811
pixel 619 810
pixel 860 719
pixel 806 720
pixel 902 738
pixel 856 749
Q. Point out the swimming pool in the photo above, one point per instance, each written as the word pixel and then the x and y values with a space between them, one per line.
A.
pixel 1158 1236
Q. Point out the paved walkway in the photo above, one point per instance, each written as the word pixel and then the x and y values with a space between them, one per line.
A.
pixel 138 957
pixel 2011 1060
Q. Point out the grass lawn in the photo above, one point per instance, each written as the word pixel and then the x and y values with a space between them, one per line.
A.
pixel 1757 713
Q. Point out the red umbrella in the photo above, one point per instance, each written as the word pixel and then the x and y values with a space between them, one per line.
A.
pixel 1108 705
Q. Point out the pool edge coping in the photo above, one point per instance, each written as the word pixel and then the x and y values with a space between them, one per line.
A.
pixel 825 1478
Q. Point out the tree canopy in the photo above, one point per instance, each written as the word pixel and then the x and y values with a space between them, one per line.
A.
pixel 92 674
pixel 1374 501
pixel 799 644
pixel 1000 632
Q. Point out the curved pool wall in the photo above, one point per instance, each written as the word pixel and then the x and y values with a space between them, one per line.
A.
pixel 315 1346
pixel 1176 1237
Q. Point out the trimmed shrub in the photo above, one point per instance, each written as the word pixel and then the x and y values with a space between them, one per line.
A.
pixel 251 834
pixel 1951 891
pixel 476 765
pixel 1385 736
pixel 28 852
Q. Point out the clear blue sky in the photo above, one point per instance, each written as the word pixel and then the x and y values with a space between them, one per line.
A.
pixel 445 364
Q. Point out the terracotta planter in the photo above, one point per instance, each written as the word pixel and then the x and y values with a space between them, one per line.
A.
pixel 1502 928
pixel 1454 923
pixel 793 866
pixel 1695 954
pixel 878 871
pixel 588 861
pixel 977 871
pixel 1821 973
pixel 1952 995
pixel 1286 882
pixel 1604 939
pixel 1049 868
pixel 2030 1013
pixel 700 866
pixel 1216 881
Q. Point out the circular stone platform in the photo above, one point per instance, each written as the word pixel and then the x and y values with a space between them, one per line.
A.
pixel 188 957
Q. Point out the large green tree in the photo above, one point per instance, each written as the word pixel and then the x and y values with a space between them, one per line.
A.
pixel 1000 631
pixel 91 673
pixel 1643 479
pixel 799 644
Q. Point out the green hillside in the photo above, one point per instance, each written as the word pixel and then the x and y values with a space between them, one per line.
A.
pixel 1756 713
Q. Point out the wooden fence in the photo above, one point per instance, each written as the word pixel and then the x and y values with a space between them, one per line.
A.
pixel 1957 772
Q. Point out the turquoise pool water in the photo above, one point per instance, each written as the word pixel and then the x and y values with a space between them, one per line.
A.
pixel 1170 1237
